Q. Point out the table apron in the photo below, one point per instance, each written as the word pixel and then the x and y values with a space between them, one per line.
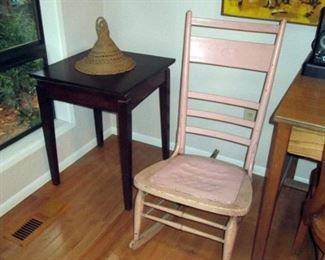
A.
pixel 307 143
pixel 77 97
pixel 143 90
pixel 101 100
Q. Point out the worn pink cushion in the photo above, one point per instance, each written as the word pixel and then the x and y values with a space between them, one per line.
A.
pixel 202 177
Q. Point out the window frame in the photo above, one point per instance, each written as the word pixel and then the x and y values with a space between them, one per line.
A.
pixel 19 55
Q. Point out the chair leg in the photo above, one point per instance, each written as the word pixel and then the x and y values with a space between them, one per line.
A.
pixel 230 237
pixel 138 209
pixel 139 240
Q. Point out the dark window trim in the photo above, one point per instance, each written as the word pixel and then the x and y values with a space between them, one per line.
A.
pixel 24 53
pixel 21 54
pixel 20 136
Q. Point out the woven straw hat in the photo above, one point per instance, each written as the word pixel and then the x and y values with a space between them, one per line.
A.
pixel 105 58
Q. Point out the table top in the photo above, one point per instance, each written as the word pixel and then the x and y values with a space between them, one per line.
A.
pixel 119 85
pixel 304 104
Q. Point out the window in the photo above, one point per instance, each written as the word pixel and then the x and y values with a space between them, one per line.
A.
pixel 22 50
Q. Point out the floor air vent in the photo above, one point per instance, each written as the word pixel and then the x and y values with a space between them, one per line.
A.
pixel 32 226
pixel 27 229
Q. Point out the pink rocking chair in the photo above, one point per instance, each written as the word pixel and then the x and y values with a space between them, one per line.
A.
pixel 203 183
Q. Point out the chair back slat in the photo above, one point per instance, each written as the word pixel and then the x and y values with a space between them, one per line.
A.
pixel 220 117
pixel 243 55
pixel 218 134
pixel 238 26
pixel 224 100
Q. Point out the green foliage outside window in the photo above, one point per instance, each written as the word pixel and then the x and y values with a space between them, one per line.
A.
pixel 17 91
pixel 18 101
pixel 17 26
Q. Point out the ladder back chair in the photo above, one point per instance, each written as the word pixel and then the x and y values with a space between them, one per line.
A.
pixel 199 182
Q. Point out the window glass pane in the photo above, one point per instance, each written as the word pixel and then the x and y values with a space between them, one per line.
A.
pixel 17 23
pixel 18 100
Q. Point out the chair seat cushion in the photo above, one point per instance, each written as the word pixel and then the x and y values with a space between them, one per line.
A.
pixel 202 177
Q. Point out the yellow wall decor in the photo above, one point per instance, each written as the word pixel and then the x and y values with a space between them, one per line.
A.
pixel 294 11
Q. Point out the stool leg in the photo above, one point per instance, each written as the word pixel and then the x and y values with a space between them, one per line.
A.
pixel 300 237
pixel 304 220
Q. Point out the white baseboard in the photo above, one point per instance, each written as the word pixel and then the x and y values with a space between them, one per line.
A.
pixel 32 187
pixel 82 151
pixel 44 178
pixel 258 170
pixel 24 193
pixel 33 142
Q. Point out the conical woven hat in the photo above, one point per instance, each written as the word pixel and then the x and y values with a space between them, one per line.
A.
pixel 105 58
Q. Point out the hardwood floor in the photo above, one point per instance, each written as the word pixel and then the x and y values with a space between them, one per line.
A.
pixel 84 218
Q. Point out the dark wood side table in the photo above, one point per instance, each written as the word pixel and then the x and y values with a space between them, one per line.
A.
pixel 299 129
pixel 114 93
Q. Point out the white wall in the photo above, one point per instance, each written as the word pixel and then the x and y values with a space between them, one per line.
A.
pixel 156 27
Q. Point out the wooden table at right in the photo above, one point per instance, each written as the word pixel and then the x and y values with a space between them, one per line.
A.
pixel 299 129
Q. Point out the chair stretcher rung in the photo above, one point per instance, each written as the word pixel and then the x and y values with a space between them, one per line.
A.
pixel 217 134
pixel 185 215
pixel 152 208
pixel 184 228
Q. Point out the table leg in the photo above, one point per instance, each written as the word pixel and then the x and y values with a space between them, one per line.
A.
pixel 276 160
pixel 124 126
pixel 99 126
pixel 47 117
pixel 164 101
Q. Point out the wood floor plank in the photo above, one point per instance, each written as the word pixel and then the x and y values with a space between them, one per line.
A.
pixel 94 225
